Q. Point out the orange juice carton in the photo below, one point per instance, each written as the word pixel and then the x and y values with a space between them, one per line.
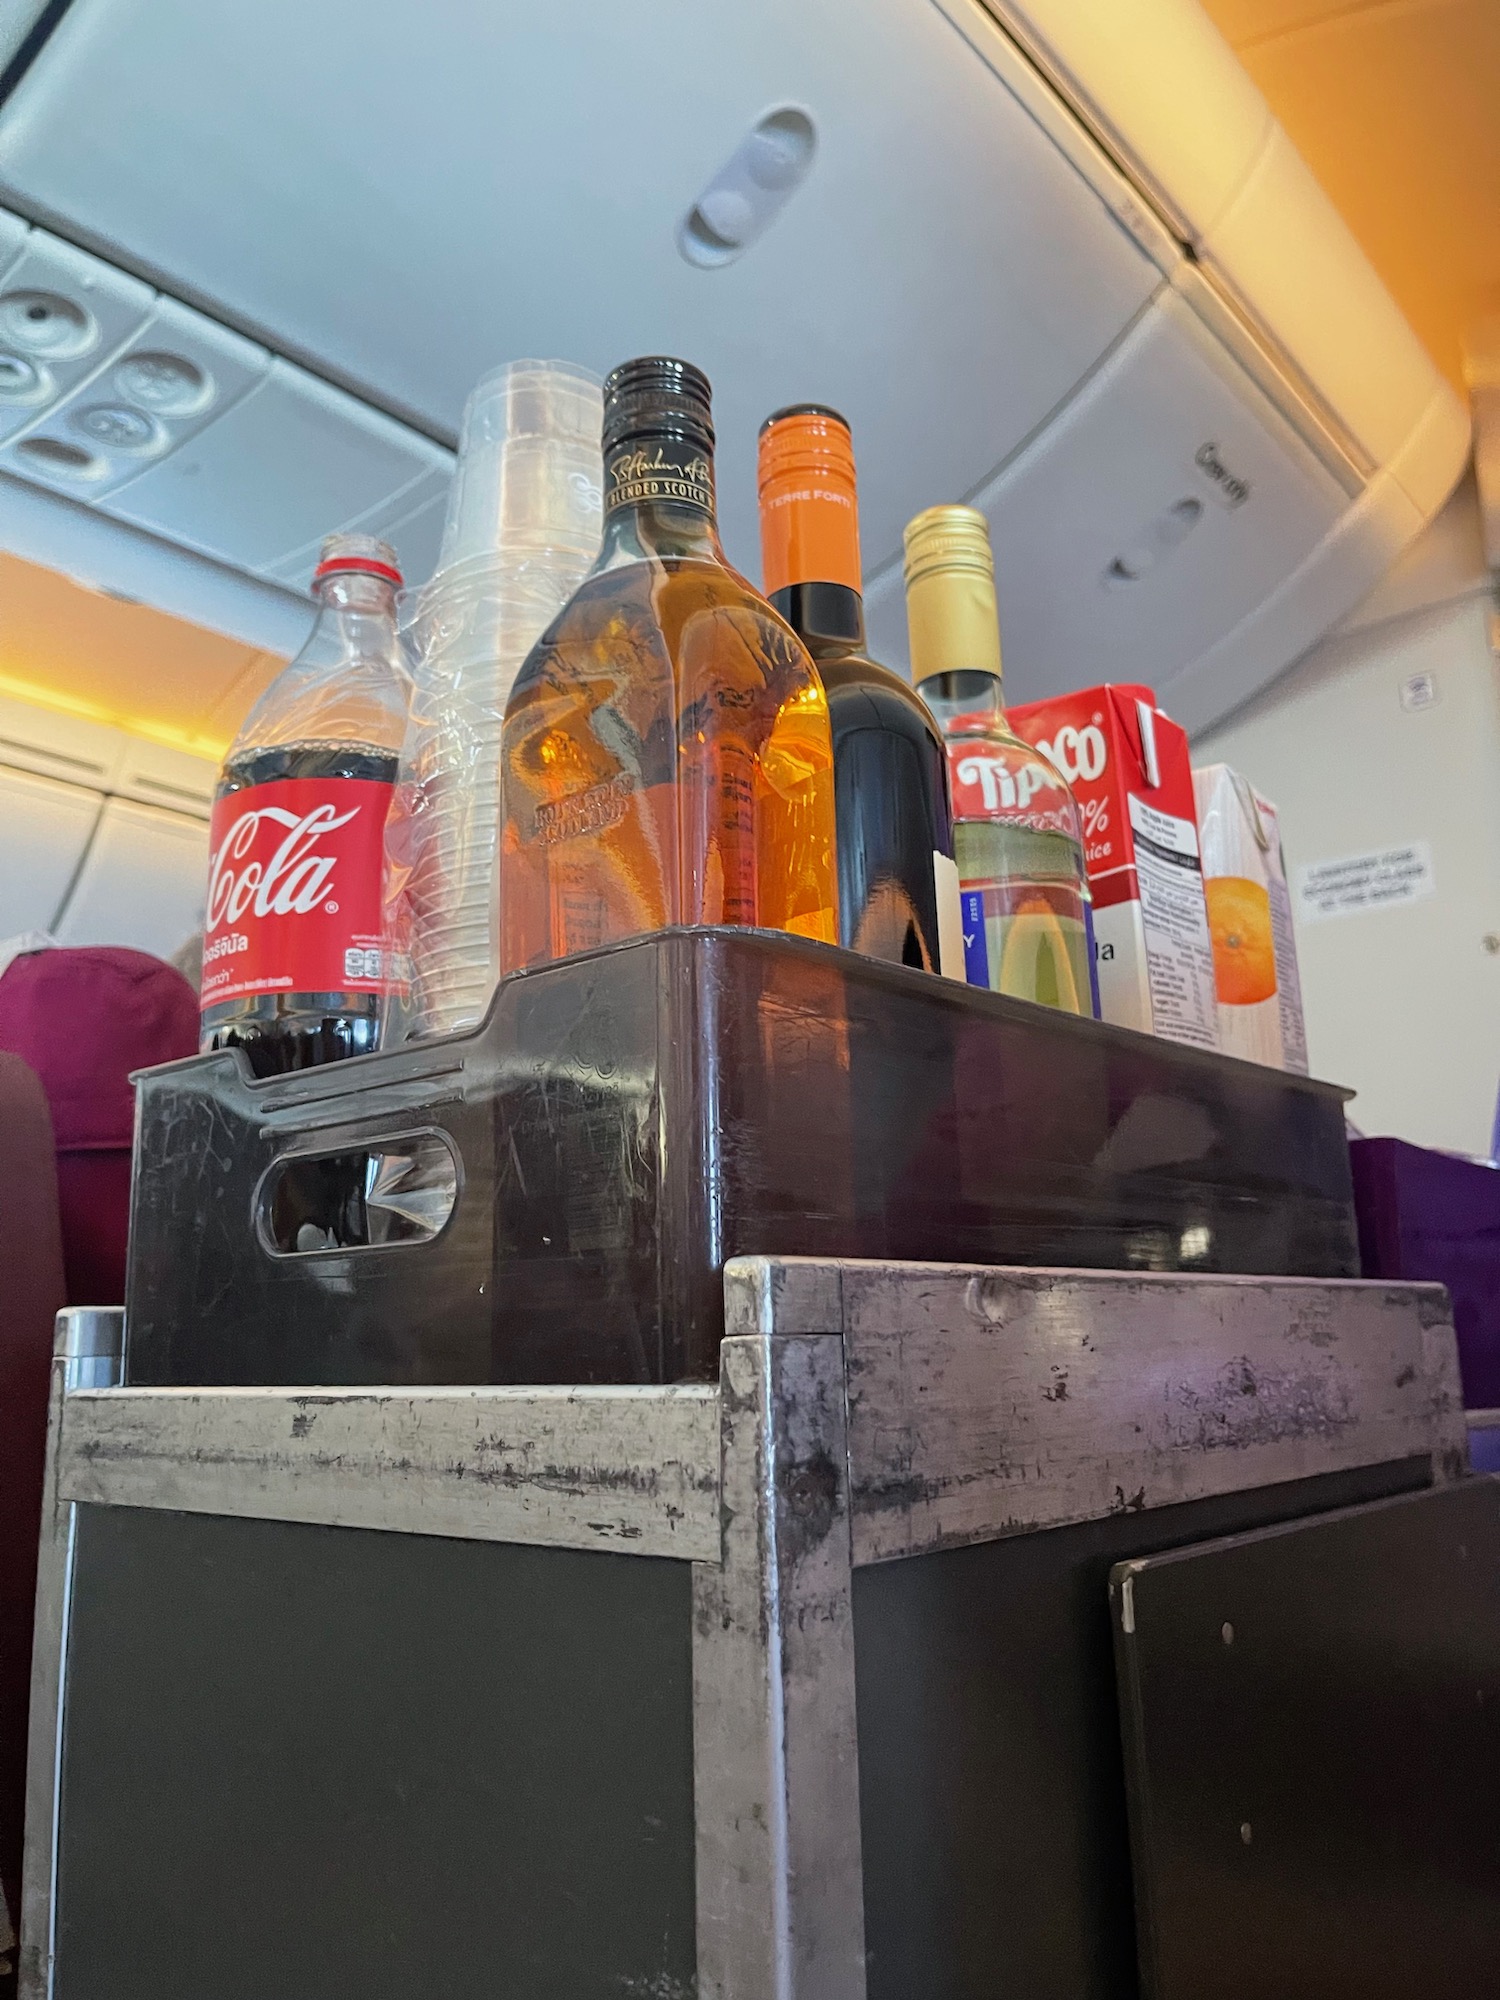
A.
pixel 1132 776
pixel 1250 921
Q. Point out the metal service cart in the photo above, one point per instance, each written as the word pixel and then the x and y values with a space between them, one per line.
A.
pixel 801 1686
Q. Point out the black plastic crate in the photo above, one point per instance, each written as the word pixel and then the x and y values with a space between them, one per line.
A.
pixel 625 1121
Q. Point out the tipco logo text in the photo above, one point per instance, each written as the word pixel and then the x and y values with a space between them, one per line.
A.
pixel 999 789
pixel 292 878
pixel 1080 754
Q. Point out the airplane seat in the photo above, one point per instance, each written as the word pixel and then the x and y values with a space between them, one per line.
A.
pixel 85 1019
pixel 31 1292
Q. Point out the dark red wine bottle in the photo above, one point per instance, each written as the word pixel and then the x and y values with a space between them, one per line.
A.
pixel 898 886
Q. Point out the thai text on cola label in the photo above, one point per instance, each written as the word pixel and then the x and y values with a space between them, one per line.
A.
pixel 294 890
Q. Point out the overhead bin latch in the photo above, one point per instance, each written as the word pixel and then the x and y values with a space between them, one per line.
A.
pixel 751 189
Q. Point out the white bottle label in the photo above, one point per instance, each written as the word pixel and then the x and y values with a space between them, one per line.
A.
pixel 1179 951
pixel 949 916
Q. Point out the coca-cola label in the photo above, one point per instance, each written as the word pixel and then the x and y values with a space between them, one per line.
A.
pixel 294 890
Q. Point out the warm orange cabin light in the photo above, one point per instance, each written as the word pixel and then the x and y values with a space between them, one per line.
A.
pixel 66 647
pixel 1393 108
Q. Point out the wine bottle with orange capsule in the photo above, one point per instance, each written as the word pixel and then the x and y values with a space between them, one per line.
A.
pixel 898 885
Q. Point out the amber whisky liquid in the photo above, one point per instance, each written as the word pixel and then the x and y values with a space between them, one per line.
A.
pixel 667 756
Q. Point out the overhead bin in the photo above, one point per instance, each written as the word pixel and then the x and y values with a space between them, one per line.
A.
pixel 1164 504
pixel 987 248
pixel 141 883
pixel 80 751
pixel 105 833
pixel 945 274
pixel 80 542
pixel 45 828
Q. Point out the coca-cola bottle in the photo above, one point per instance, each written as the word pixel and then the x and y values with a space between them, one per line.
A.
pixel 295 962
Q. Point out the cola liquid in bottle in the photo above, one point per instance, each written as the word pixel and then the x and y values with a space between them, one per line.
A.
pixel 295 960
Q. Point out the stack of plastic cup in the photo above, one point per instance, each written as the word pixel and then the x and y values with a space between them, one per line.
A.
pixel 523 526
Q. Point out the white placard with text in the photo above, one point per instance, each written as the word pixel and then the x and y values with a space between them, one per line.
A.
pixel 1364 882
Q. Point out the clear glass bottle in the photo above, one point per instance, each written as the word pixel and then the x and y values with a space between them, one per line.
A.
pixel 295 958
pixel 898 886
pixel 1017 839
pixel 666 756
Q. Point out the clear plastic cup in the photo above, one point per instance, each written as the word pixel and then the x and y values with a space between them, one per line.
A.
pixel 524 524
pixel 529 474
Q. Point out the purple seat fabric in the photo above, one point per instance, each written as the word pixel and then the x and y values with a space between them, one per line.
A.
pixel 83 1019
pixel 31 1274
pixel 1429 1216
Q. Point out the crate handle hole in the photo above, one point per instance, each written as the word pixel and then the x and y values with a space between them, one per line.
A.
pixel 376 1196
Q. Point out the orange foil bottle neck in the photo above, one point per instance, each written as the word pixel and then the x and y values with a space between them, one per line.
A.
pixel 809 506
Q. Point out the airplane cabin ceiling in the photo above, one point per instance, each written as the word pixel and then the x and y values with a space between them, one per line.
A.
pixel 388 200
pixel 401 209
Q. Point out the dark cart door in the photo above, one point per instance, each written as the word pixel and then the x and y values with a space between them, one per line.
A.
pixel 1311 1720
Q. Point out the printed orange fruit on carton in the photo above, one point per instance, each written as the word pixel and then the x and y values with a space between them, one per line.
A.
pixel 1239 921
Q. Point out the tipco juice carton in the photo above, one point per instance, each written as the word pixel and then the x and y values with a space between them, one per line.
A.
pixel 1250 921
pixel 1131 774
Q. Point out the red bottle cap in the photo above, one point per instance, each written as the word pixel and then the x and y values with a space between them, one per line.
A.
pixel 362 554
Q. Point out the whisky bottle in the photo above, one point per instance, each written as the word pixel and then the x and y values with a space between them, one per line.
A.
pixel 666 756
pixel 898 886
pixel 1017 836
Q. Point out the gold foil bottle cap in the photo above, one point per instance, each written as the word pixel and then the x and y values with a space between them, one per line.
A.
pixel 950 594
pixel 955 538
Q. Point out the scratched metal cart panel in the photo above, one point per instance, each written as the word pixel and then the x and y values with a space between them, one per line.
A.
pixel 796 1686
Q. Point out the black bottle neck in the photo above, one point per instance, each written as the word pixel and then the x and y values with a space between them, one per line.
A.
pixel 828 618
